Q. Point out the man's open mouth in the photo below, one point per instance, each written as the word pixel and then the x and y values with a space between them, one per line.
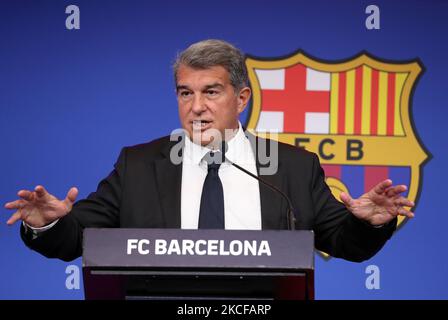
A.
pixel 201 124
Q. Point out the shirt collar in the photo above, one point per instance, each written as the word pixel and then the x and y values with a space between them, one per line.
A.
pixel 236 147
pixel 193 153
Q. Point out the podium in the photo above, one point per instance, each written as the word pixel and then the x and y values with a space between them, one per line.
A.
pixel 159 264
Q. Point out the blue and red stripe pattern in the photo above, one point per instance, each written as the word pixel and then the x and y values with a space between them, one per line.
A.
pixel 360 179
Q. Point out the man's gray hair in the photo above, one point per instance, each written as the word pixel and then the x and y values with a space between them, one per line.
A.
pixel 209 53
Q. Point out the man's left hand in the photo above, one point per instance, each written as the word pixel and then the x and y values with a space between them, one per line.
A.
pixel 380 205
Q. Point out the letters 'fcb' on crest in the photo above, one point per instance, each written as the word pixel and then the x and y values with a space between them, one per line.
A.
pixel 355 114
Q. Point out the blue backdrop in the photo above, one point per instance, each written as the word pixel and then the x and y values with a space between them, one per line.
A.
pixel 71 99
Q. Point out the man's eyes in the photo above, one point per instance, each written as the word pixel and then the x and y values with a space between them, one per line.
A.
pixel 212 92
pixel 185 93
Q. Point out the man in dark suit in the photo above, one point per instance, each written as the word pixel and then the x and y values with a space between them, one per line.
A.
pixel 148 188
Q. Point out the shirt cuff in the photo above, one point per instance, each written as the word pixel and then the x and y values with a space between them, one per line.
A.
pixel 37 231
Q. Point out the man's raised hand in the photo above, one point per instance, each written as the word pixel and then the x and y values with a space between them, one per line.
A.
pixel 39 208
pixel 381 204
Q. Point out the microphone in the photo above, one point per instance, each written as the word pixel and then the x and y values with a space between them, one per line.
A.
pixel 290 217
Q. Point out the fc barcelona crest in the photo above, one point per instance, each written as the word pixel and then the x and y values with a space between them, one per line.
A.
pixel 355 114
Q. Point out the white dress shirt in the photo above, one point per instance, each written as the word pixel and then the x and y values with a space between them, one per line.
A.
pixel 242 206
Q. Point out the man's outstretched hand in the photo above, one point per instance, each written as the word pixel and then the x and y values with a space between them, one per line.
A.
pixel 39 208
pixel 380 205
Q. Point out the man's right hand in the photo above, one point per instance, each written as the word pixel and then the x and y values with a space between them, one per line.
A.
pixel 38 208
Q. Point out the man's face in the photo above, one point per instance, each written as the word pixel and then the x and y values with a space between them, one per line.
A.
pixel 208 102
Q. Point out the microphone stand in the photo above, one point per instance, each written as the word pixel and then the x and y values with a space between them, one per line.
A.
pixel 290 217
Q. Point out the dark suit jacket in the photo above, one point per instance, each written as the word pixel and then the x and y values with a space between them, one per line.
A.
pixel 144 191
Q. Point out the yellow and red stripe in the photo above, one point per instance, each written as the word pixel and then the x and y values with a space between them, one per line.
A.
pixel 366 101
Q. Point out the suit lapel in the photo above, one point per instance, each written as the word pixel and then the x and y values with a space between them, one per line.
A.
pixel 272 206
pixel 169 183
pixel 273 211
